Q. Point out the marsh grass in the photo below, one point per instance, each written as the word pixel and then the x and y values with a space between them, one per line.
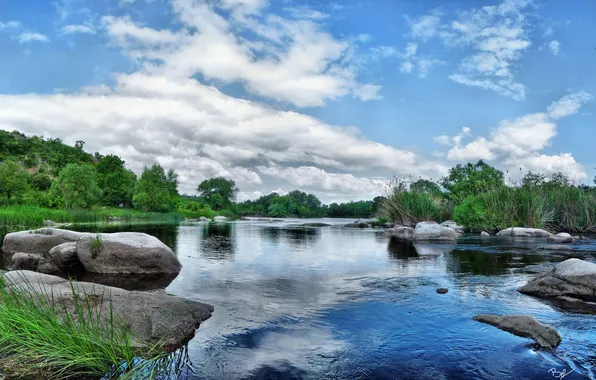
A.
pixel 39 338
pixel 407 208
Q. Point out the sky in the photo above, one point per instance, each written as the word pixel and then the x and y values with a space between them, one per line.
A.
pixel 332 98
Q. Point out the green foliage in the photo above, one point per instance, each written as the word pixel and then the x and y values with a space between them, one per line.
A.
pixel 407 208
pixel 95 246
pixel 13 179
pixel 359 209
pixel 471 179
pixel 40 337
pixel 218 193
pixel 425 186
pixel 156 191
pixel 40 181
pixel 115 181
pixel 76 187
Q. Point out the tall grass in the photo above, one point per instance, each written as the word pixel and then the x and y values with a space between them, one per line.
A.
pixel 27 217
pixel 407 208
pixel 39 337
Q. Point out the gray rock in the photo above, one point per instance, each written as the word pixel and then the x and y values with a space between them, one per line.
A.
pixel 220 219
pixel 431 231
pixel 126 252
pixel 523 232
pixel 357 224
pixel 152 316
pixel 36 241
pixel 204 219
pixel 560 238
pixel 401 233
pixel 570 285
pixel 50 223
pixel 442 290
pixel 452 224
pixel 315 225
pixel 524 326
pixel 484 233
pixel 33 262
pixel 65 257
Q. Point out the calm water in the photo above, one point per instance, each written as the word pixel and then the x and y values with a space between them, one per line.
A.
pixel 339 303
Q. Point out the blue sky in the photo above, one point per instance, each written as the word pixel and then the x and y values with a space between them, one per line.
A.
pixel 332 98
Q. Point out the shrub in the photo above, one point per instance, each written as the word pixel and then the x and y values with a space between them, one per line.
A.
pixel 408 208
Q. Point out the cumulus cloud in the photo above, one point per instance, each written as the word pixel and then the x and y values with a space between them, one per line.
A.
pixel 495 36
pixel 518 142
pixel 201 132
pixel 32 37
pixel 555 47
pixel 291 60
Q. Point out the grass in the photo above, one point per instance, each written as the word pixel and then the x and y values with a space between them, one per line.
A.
pixel 96 246
pixel 28 217
pixel 407 208
pixel 39 339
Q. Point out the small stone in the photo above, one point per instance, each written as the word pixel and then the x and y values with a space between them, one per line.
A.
pixel 442 290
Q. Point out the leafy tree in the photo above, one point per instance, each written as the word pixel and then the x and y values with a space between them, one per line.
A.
pixel 533 179
pixel 40 181
pixel 76 187
pixel 559 179
pixel 116 182
pixel 471 179
pixel 425 186
pixel 219 193
pixel 13 179
pixel 359 209
pixel 156 191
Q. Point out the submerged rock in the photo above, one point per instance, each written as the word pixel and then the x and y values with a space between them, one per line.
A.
pixel 126 252
pixel 523 232
pixel 431 231
pixel 560 238
pixel 524 326
pixel 401 233
pixel 570 285
pixel 315 225
pixel 152 317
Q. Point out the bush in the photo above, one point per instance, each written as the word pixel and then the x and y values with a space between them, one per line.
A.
pixel 407 208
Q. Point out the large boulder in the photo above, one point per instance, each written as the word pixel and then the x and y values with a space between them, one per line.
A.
pixel 65 256
pixel 523 232
pixel 401 233
pixel 452 224
pixel 152 317
pixel 524 326
pixel 431 231
pixel 560 238
pixel 204 219
pixel 34 262
pixel 37 241
pixel 126 252
pixel 570 285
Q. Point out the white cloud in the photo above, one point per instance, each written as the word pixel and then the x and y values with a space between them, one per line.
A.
pixel 32 37
pixel 289 60
pixel 201 133
pixel 568 104
pixel 74 28
pixel 518 142
pixel 555 47
pixel 9 24
pixel 496 37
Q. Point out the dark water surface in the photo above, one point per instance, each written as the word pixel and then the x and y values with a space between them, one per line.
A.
pixel 340 303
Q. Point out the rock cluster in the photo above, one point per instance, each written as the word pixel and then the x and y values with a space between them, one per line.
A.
pixel 424 232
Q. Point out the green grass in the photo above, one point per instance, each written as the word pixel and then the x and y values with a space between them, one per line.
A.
pixel 39 339
pixel 27 217
pixel 407 208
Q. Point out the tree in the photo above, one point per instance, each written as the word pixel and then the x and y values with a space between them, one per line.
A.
pixel 76 187
pixel 13 179
pixel 470 179
pixel 219 193
pixel 156 191
pixel 425 186
pixel 533 180
pixel 558 179
pixel 116 182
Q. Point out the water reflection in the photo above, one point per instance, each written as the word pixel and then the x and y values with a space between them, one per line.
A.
pixel 400 249
pixel 217 241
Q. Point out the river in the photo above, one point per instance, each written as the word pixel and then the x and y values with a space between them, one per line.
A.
pixel 341 303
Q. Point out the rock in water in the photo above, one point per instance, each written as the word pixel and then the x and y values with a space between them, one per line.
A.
pixel 560 238
pixel 571 285
pixel 442 290
pixel 37 241
pixel 126 252
pixel 484 233
pixel 152 317
pixel 431 231
pixel 401 233
pixel 524 326
pixel 204 219
pixel 452 224
pixel 220 219
pixel 523 232
pixel 65 257
pixel 34 262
